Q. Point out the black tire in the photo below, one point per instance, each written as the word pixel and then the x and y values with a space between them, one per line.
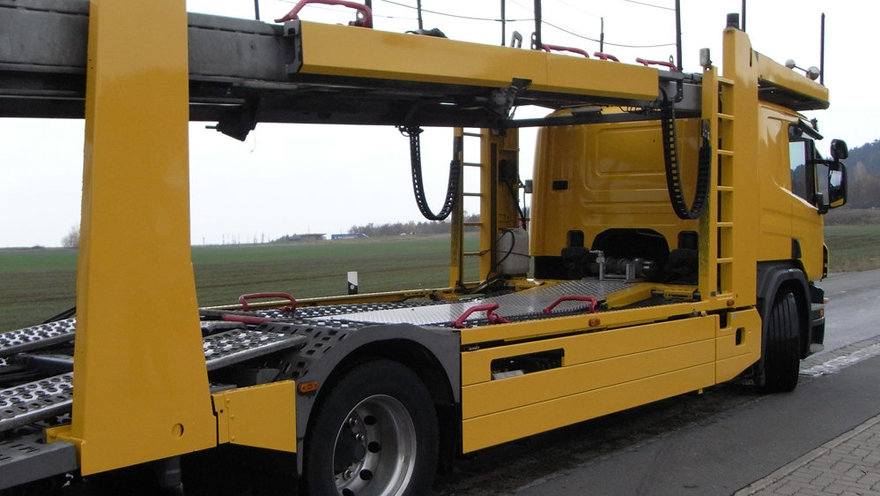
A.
pixel 782 348
pixel 375 433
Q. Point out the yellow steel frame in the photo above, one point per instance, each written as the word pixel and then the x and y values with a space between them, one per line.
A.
pixel 140 384
pixel 365 53
pixel 141 388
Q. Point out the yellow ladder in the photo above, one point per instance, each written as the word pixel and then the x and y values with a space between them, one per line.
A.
pixel 717 225
pixel 458 267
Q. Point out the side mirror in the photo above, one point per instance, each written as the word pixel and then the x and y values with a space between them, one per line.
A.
pixel 839 150
pixel 837 187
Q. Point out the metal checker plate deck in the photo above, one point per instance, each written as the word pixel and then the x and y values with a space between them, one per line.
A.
pixel 238 345
pixel 513 305
pixel 26 403
pixel 329 312
pixel 37 336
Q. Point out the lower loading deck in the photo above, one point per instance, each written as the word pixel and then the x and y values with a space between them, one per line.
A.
pixel 46 347
pixel 493 377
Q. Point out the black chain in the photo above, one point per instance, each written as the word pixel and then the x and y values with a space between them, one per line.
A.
pixel 673 173
pixel 413 132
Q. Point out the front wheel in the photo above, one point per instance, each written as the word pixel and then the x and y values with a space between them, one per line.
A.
pixel 376 433
pixel 782 345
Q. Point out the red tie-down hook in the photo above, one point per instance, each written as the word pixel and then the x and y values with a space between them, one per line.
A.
pixel 243 299
pixel 560 48
pixel 364 16
pixel 592 300
pixel 488 308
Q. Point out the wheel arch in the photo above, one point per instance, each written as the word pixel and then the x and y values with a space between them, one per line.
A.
pixel 433 354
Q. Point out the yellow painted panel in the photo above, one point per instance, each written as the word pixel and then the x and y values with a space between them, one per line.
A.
pixel 734 358
pixel 356 52
pixel 489 430
pixel 599 77
pixel 782 76
pixel 262 416
pixel 504 394
pixel 476 365
pixel 616 179
pixel 140 385
pixel 578 323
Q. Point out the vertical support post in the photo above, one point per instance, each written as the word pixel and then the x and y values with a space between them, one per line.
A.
pixel 140 384
pixel 536 36
pixel 419 8
pixel 503 22
pixel 497 204
pixel 741 101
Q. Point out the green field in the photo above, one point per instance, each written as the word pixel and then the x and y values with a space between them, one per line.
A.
pixel 38 283
pixel 853 247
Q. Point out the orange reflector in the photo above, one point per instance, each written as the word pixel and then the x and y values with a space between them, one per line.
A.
pixel 595 322
pixel 307 387
pixel 730 303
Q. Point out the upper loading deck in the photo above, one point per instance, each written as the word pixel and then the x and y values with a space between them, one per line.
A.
pixel 243 72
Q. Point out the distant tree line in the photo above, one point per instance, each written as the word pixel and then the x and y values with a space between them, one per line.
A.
pixel 408 228
pixel 863 175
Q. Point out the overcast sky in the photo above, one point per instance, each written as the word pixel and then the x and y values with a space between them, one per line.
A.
pixel 287 179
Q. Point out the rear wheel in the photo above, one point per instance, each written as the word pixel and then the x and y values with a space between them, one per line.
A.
pixel 375 434
pixel 782 348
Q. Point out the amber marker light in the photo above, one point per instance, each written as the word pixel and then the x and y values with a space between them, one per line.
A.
pixel 307 387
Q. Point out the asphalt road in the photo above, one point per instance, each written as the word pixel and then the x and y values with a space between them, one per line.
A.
pixel 709 444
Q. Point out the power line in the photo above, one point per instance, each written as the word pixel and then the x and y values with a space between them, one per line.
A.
pixel 564 30
pixel 620 45
pixel 457 16
pixel 650 5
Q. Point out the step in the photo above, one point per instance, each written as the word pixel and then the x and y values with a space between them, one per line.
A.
pixel 28 458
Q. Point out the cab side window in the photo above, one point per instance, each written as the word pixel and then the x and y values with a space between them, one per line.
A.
pixel 797 156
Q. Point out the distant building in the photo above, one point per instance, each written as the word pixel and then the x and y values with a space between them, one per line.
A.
pixel 348 236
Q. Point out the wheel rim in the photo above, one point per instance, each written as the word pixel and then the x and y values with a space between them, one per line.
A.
pixel 375 448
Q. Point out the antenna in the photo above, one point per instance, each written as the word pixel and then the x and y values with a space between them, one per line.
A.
pixel 678 34
pixel 602 34
pixel 822 52
pixel 743 16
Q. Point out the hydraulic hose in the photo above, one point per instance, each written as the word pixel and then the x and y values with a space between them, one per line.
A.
pixel 673 172
pixel 413 132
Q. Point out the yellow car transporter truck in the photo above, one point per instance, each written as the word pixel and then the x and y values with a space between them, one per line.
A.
pixel 674 237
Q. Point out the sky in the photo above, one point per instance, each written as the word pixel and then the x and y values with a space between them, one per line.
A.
pixel 287 179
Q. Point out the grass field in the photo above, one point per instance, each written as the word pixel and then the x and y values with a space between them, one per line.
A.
pixel 853 247
pixel 38 283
